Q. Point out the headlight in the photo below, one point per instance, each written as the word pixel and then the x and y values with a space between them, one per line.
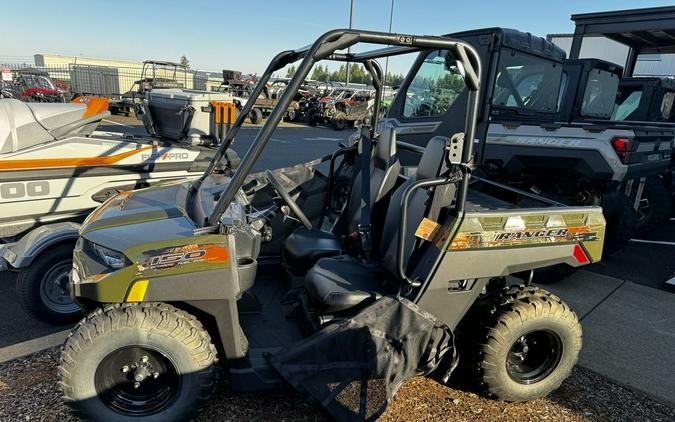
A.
pixel 111 258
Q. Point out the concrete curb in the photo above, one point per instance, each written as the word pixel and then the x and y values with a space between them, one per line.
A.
pixel 30 347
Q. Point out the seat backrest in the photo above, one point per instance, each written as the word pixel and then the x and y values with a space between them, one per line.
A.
pixel 55 115
pixel 431 165
pixel 384 171
pixel 18 127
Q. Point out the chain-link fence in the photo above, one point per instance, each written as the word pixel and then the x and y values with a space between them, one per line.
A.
pixel 111 81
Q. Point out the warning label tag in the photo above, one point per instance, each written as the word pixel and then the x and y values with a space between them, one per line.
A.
pixel 426 229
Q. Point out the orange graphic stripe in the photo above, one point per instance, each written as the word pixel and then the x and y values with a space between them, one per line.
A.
pixel 68 162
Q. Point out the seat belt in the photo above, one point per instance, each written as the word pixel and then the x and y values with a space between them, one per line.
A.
pixel 364 228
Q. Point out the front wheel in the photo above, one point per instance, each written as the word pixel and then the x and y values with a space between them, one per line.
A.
pixel 127 362
pixel 529 343
pixel 43 288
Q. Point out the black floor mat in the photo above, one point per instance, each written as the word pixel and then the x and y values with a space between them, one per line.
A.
pixel 269 328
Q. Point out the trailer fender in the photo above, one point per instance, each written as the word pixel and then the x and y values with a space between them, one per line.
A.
pixel 22 253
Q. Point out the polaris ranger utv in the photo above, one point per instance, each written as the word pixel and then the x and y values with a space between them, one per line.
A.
pixel 582 161
pixel 183 276
pixel 596 93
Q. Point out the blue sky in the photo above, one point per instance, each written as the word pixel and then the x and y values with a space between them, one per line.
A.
pixel 245 35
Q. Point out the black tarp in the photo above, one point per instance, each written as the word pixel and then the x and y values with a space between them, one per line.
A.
pixel 354 367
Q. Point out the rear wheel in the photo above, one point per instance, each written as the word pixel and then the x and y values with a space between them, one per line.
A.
pixel 43 288
pixel 653 206
pixel 312 117
pixel 255 116
pixel 527 342
pixel 339 121
pixel 621 220
pixel 149 361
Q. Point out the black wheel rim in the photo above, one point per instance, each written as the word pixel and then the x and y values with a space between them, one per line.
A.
pixel 55 289
pixel 534 356
pixel 137 381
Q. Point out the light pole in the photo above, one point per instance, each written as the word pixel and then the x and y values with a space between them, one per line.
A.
pixel 351 13
pixel 386 60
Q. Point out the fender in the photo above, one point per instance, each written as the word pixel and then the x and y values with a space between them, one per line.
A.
pixel 22 253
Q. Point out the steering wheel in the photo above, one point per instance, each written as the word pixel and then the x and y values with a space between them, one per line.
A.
pixel 279 188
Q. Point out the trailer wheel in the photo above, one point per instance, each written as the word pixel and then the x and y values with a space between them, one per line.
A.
pixel 528 340
pixel 146 361
pixel 654 205
pixel 43 288
pixel 255 116
pixel 621 220
pixel 339 121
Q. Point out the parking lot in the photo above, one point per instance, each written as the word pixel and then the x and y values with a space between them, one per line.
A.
pixel 626 288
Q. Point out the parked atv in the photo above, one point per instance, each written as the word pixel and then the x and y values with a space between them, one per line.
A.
pixel 155 74
pixel 185 275
pixel 33 86
pixel 346 111
pixel 318 109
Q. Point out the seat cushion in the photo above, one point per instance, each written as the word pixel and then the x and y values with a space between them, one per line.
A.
pixel 340 283
pixel 303 248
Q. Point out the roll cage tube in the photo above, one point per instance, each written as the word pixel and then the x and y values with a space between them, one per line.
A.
pixel 324 47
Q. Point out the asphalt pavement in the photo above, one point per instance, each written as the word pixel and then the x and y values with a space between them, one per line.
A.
pixel 629 330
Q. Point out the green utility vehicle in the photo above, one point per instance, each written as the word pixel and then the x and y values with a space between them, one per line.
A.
pixel 234 270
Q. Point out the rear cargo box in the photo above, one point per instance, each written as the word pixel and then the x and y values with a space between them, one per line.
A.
pixel 182 113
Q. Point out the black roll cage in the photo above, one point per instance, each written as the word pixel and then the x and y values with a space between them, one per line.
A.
pixel 323 48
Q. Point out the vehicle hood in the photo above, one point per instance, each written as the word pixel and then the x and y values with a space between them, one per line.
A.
pixel 142 216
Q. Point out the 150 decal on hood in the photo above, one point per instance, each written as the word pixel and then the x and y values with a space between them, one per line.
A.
pixel 176 256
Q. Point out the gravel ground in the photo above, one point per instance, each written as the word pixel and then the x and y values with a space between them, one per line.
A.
pixel 28 392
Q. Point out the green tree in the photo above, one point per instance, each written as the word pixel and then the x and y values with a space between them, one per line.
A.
pixel 451 81
pixel 393 80
pixel 184 61
pixel 320 73
pixel 357 74
pixel 290 72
